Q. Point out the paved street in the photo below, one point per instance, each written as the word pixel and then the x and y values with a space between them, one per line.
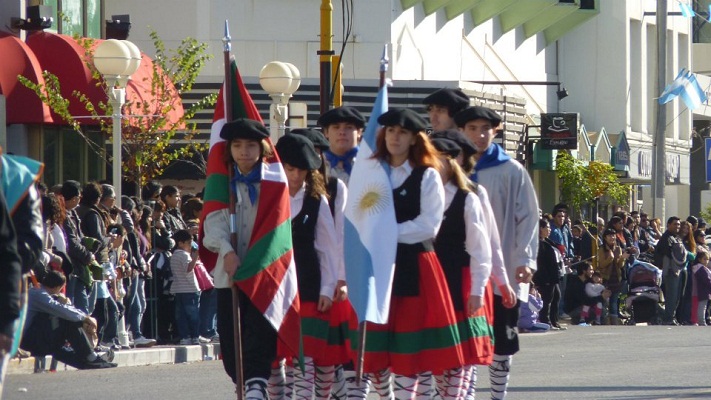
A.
pixel 580 363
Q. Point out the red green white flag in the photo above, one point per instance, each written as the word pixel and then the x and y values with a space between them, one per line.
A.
pixel 267 274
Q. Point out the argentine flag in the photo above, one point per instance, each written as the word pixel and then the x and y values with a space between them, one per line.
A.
pixel 692 94
pixel 370 231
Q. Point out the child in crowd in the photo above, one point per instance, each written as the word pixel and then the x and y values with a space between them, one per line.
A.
pixel 185 288
pixel 528 319
pixel 593 290
pixel 702 285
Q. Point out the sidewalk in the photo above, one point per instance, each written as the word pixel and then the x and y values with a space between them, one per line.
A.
pixel 171 354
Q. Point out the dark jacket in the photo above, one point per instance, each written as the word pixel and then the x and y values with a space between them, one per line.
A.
pixel 78 254
pixel 574 295
pixel 93 225
pixel 550 263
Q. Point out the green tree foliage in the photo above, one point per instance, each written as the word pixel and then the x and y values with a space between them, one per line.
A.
pixel 150 141
pixel 582 183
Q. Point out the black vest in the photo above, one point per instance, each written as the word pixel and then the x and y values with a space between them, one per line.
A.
pixel 450 247
pixel 406 281
pixel 303 235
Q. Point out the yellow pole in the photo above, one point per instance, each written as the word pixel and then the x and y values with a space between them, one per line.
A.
pixel 337 70
pixel 325 53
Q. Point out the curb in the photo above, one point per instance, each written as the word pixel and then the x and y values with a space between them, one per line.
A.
pixel 127 358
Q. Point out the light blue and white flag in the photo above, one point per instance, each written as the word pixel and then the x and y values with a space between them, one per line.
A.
pixel 685 86
pixel 673 89
pixel 686 10
pixel 370 231
pixel 693 95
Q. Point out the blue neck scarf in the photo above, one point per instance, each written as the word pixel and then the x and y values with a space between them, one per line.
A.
pixel 346 159
pixel 492 157
pixel 254 177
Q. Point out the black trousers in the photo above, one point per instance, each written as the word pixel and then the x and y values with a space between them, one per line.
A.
pixel 550 294
pixel 48 334
pixel 258 337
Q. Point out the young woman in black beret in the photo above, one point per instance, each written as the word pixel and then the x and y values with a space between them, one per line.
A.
pixel 316 258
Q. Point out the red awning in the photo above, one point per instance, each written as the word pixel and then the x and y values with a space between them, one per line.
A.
pixel 142 99
pixel 22 105
pixel 65 58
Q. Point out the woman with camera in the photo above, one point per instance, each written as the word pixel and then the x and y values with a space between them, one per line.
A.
pixel 611 262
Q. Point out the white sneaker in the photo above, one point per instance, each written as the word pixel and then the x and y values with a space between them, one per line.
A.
pixel 215 339
pixel 186 341
pixel 203 339
pixel 144 342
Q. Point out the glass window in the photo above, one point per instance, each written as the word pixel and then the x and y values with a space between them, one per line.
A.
pixel 50 156
pixel 93 19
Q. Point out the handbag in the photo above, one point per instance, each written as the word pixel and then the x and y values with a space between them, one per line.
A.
pixel 204 279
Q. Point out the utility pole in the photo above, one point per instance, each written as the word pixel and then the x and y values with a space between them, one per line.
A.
pixel 659 155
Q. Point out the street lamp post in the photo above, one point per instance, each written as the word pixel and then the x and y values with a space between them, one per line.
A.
pixel 280 80
pixel 116 60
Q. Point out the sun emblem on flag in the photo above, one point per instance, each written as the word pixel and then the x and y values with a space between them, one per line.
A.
pixel 372 200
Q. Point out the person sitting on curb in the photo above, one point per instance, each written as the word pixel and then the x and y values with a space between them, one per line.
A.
pixel 528 320
pixel 52 321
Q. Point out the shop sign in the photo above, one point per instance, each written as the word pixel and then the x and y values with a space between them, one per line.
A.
pixel 559 131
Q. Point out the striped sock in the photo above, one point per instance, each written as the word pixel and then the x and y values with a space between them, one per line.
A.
pixel 383 384
pixel 425 386
pixel 277 381
pixel 471 389
pixel 289 382
pixel 256 389
pixel 405 387
pixel 339 391
pixel 357 391
pixel 499 376
pixel 304 380
pixel 324 382
pixel 453 380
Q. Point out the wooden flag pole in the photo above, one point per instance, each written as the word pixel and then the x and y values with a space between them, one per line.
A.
pixel 362 328
pixel 236 322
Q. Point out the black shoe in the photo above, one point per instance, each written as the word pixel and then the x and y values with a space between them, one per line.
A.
pixel 99 363
pixel 559 327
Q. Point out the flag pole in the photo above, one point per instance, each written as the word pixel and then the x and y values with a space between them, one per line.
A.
pixel 384 60
pixel 236 324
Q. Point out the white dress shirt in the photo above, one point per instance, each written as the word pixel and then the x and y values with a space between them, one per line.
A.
pixel 325 242
pixel 477 241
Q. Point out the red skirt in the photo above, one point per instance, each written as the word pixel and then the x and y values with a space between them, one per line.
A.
pixel 314 333
pixel 477 331
pixel 337 349
pixel 421 333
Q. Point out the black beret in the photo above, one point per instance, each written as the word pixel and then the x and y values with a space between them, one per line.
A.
pixel 446 146
pixel 316 137
pixel 298 151
pixel 403 117
pixel 454 99
pixel 477 112
pixel 457 137
pixel 342 114
pixel 70 189
pixel 243 128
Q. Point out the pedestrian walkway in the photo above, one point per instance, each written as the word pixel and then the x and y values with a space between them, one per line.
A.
pixel 130 358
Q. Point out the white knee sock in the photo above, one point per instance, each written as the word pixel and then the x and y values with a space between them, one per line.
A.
pixel 255 389
pixel 499 376
pixel 324 382
pixel 426 388
pixel 452 386
pixel 289 383
pixel 469 382
pixel 339 390
pixel 405 387
pixel 277 381
pixel 304 380
pixel 355 390
pixel 383 384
